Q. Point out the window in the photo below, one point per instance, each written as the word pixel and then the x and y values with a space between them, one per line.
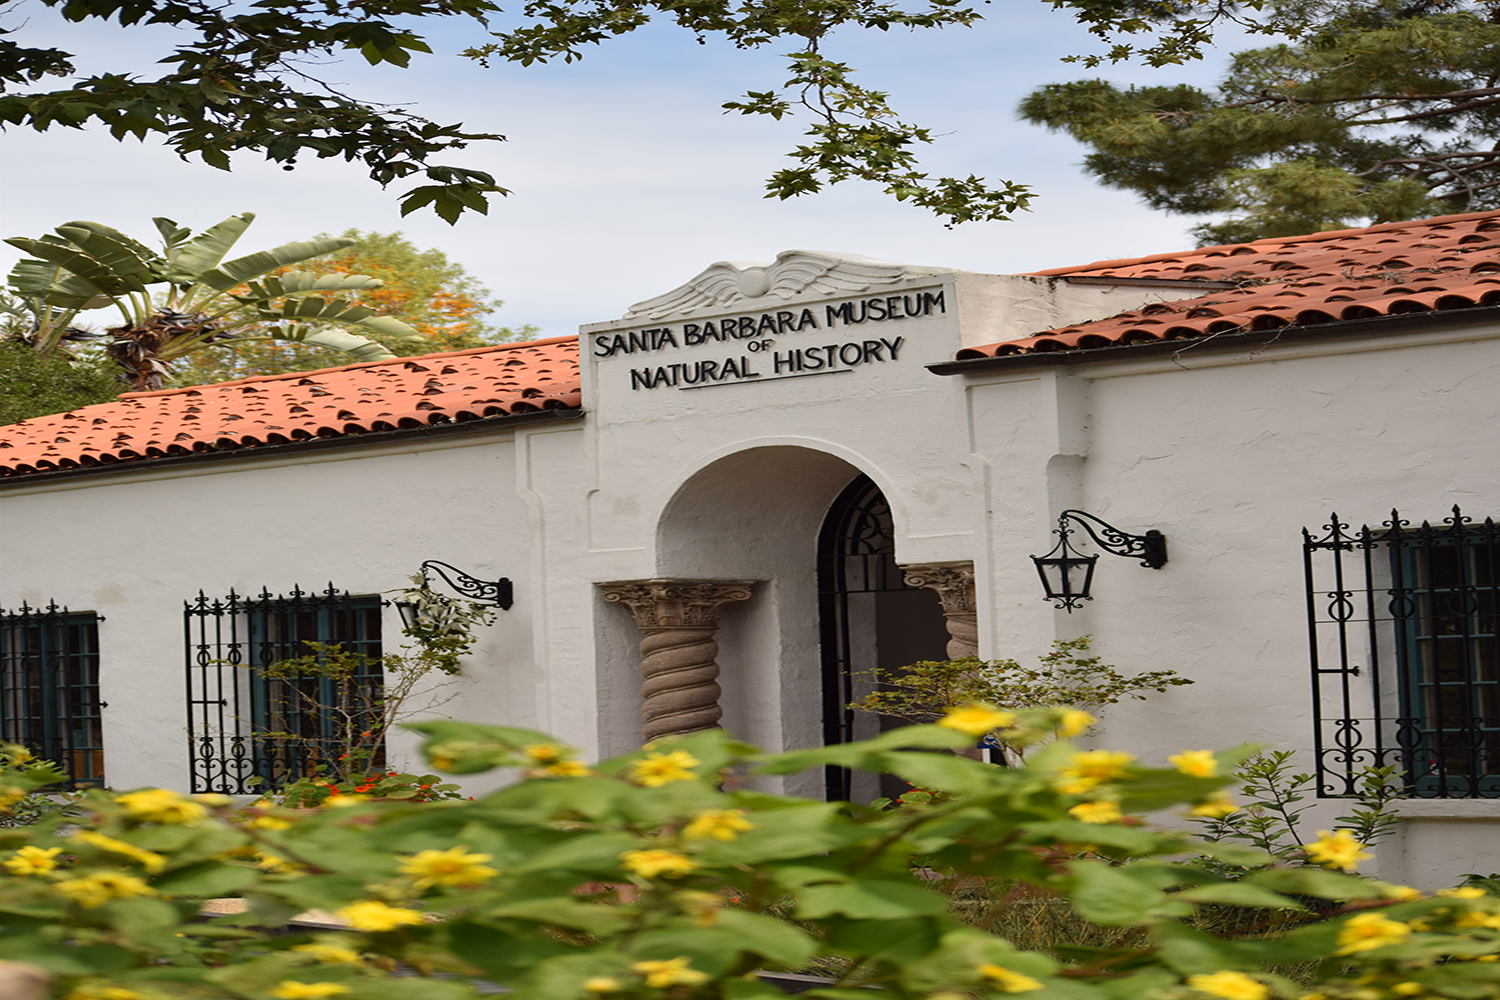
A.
pixel 49 688
pixel 252 725
pixel 1405 628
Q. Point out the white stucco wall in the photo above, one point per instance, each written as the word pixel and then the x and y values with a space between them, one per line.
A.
pixel 1229 454
pixel 134 547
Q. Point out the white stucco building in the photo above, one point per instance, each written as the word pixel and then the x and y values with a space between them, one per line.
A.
pixel 748 459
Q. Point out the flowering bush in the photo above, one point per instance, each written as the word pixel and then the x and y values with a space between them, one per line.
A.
pixel 313 792
pixel 511 890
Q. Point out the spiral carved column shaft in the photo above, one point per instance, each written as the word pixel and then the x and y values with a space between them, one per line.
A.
pixel 954 585
pixel 678 620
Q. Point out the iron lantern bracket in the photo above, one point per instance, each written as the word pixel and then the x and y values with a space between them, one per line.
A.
pixel 498 592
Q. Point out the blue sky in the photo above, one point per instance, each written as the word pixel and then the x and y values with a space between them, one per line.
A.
pixel 627 177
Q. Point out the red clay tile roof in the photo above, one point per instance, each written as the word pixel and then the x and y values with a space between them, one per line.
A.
pixel 1429 265
pixel 457 387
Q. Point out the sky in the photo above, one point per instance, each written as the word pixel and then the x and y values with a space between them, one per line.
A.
pixel 627 177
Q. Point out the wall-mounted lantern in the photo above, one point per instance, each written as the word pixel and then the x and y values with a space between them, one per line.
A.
pixel 498 592
pixel 1067 573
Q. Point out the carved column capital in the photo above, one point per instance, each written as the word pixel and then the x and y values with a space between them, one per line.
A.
pixel 953 582
pixel 677 620
pixel 657 604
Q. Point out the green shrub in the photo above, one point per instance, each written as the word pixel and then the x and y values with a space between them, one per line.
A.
pixel 509 890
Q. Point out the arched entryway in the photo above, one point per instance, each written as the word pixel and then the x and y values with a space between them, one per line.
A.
pixel 869 618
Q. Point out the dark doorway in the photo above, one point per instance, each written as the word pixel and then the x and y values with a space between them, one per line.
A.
pixel 869 618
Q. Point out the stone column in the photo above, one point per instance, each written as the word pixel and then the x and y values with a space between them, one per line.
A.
pixel 954 584
pixel 678 619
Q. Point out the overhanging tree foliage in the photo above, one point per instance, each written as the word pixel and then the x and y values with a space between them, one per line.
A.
pixel 1380 111
pixel 240 81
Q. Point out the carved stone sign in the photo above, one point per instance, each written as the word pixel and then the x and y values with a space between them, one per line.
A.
pixel 807 314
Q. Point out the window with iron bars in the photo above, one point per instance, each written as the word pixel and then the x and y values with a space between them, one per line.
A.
pixel 253 726
pixel 1405 632
pixel 49 688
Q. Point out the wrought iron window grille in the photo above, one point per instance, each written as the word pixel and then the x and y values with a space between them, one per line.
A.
pixel 1404 630
pixel 251 729
pixel 49 688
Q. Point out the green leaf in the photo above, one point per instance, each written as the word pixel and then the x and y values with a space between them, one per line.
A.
pixel 597 853
pixel 1110 896
pixel 1240 894
pixel 1190 952
pixel 1315 882
pixel 775 940
pixel 871 899
pixel 206 881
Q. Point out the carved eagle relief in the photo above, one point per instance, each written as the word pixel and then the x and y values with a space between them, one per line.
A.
pixel 795 273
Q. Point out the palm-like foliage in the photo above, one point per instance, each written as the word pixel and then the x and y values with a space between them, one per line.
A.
pixel 189 297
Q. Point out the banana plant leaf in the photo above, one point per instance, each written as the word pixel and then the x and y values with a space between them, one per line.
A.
pixel 337 311
pixel 79 263
pixel 203 252
pixel 242 269
pixel 296 283
pixel 116 251
pixel 359 348
pixel 54 285
pixel 119 257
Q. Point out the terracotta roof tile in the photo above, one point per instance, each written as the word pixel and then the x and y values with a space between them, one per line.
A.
pixel 457 387
pixel 1428 265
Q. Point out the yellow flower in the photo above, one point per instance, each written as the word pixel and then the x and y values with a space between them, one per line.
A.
pixel 330 954
pixel 1401 893
pixel 654 862
pixel 1230 986
pixel 9 796
pixel 268 823
pixel 275 864
pixel 670 972
pixel 1367 931
pixel 976 720
pixel 1074 721
pixel 32 860
pixel 601 984
pixel 1407 989
pixel 450 867
pixel 1089 768
pixel 1214 808
pixel 95 991
pixel 373 915
pixel 1338 849
pixel 97 889
pixel 1007 981
pixel 18 754
pixel 1198 763
pixel 567 769
pixel 1097 812
pixel 149 860
pixel 718 824
pixel 290 989
pixel 215 800
pixel 657 769
pixel 1463 892
pixel 543 753
pixel 1490 920
pixel 158 805
pixel 344 799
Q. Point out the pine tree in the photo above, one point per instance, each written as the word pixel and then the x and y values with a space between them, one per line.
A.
pixel 1376 112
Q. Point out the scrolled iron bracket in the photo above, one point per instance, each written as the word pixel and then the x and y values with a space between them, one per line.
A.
pixel 1151 547
pixel 499 592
